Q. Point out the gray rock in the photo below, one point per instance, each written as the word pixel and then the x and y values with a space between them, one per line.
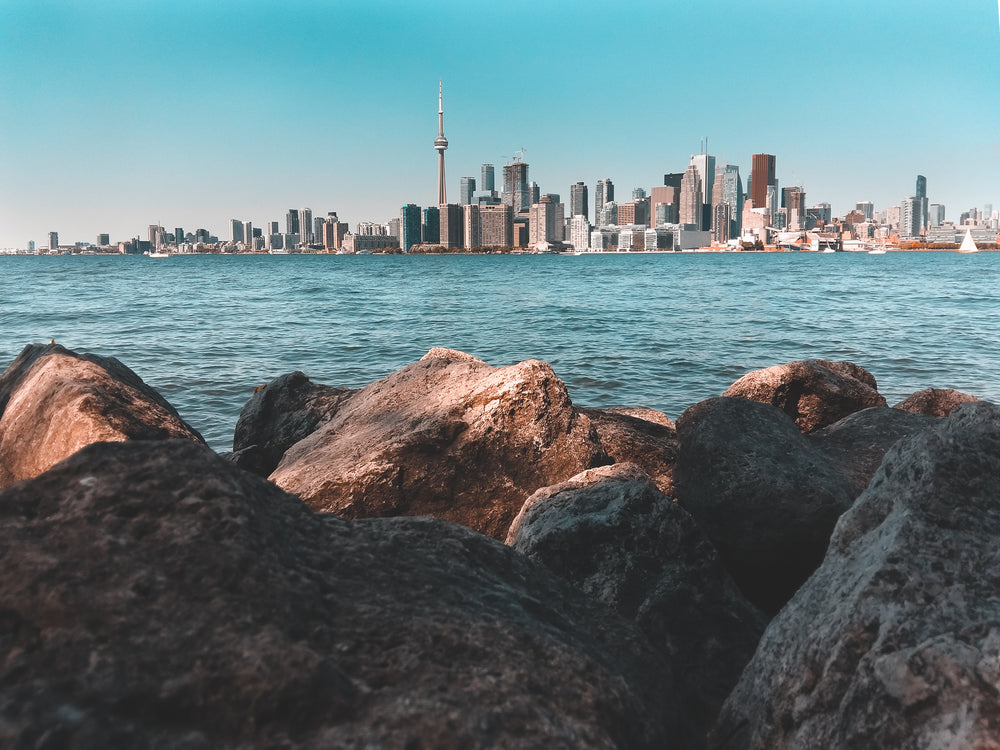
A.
pixel 813 392
pixel 857 443
pixel 640 436
pixel 765 496
pixel 280 414
pixel 935 402
pixel 54 401
pixel 613 534
pixel 154 595
pixel 895 640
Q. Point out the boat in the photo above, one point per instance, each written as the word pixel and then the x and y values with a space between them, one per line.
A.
pixel 968 244
pixel 158 254
pixel 877 251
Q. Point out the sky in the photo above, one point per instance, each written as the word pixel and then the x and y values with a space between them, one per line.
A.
pixel 118 115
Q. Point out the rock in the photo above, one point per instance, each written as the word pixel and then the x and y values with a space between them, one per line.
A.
pixel 638 435
pixel 448 436
pixel 280 414
pixel 935 402
pixel 54 401
pixel 154 595
pixel 613 534
pixel 895 640
pixel 813 392
pixel 765 496
pixel 857 443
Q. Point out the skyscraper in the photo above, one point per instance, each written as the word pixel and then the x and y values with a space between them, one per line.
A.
pixel 305 225
pixel 452 230
pixel 53 240
pixel 515 186
pixel 496 225
pixel 430 230
pixel 922 198
pixel 292 221
pixel 605 193
pixel 487 181
pixel 578 200
pixel 691 205
pixel 909 217
pixel 472 228
pixel 705 165
pixel 467 186
pixel 409 226
pixel 761 177
pixel 440 144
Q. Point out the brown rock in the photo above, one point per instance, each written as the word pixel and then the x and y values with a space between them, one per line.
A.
pixel 638 436
pixel 280 414
pixel 154 595
pixel 813 392
pixel 54 401
pixel 935 402
pixel 448 436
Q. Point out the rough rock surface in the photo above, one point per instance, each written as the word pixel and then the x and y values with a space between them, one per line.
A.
pixel 638 436
pixel 857 443
pixel 613 534
pixel 813 392
pixel 280 414
pixel 448 436
pixel 935 402
pixel 895 640
pixel 154 595
pixel 765 496
pixel 54 401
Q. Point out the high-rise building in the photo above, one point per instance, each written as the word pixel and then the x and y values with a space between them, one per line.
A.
pixel 487 181
pixel 922 197
pixel 409 226
pixel 665 204
pixel 496 225
pixel 472 228
pixel 155 236
pixel 178 235
pixel 795 204
pixel 605 193
pixel 103 240
pixel 248 232
pixel 53 240
pixel 867 208
pixel 705 165
pixel 236 230
pixel 317 233
pixel 909 217
pixel 542 221
pixel 292 221
pixel 467 186
pixel 691 204
pixel 430 229
pixel 515 186
pixel 534 192
pixel 673 179
pixel 608 214
pixel 452 231
pixel 579 232
pixel 732 193
pixel 578 200
pixel 935 216
pixel 440 144
pixel 306 225
pixel 761 177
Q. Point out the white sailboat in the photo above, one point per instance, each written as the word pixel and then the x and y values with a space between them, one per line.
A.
pixel 968 244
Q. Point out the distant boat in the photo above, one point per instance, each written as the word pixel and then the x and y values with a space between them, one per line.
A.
pixel 877 251
pixel 968 244
pixel 158 254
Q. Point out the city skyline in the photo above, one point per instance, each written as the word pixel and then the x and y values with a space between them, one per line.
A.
pixel 119 116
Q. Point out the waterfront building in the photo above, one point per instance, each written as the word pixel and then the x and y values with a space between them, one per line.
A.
pixel 103 240
pixel 430 228
pixel 248 232
pixel 728 190
pixel 722 219
pixel 178 236
pixel 608 214
pixel 317 234
pixel 440 144
pixel 604 193
pixel 632 238
pixel 662 238
pixel 705 164
pixel 155 236
pixel 542 221
pixel 306 225
pixel 795 204
pixel 515 186
pixel 534 192
pixel 578 200
pixel 409 225
pixel 292 221
pixel 472 228
pixel 467 186
pixel 53 240
pixel 664 213
pixel 366 243
pixel 669 198
pixel 334 231
pixel 604 239
pixel 761 177
pixel 909 217
pixel 392 226
pixel 579 232
pixel 486 178
pixel 452 231
pixel 691 202
pixel 921 196
pixel 867 208
pixel 935 215
pixel 496 225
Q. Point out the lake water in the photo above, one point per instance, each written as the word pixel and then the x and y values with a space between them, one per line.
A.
pixel 663 331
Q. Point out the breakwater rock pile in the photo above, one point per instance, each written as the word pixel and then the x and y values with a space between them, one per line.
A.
pixel 459 556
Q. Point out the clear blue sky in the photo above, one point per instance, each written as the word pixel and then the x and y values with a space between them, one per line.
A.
pixel 117 115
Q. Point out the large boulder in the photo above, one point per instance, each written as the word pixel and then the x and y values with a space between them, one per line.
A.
pixel 935 402
pixel 614 535
pixel 640 436
pixel 813 392
pixel 895 640
pixel 448 436
pixel 857 443
pixel 766 497
pixel 154 595
pixel 280 414
pixel 54 401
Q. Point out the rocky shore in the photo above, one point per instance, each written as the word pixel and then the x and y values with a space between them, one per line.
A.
pixel 458 556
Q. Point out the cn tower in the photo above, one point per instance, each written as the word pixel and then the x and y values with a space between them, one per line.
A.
pixel 440 144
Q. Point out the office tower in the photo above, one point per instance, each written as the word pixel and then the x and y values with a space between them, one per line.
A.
pixel 467 186
pixel 178 235
pixel 795 204
pixel 867 208
pixel 705 165
pixel 292 221
pixel 626 214
pixel 579 232
pixel 306 225
pixel 472 230
pixel 732 193
pixel 515 186
pixel 452 231
pixel 317 233
pixel 496 225
pixel 691 204
pixel 922 197
pixel 248 232
pixel 155 235
pixel 272 227
pixel 103 240
pixel 608 214
pixel 578 200
pixel 604 193
pixel 761 177
pixel 669 198
pixel 440 144
pixel 909 217
pixel 409 226
pixel 53 240
pixel 935 215
pixel 236 230
pixel 430 229
pixel 487 181
pixel 673 179
pixel 542 221
pixel 534 192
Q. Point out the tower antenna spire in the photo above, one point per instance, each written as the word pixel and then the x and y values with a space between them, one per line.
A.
pixel 440 144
